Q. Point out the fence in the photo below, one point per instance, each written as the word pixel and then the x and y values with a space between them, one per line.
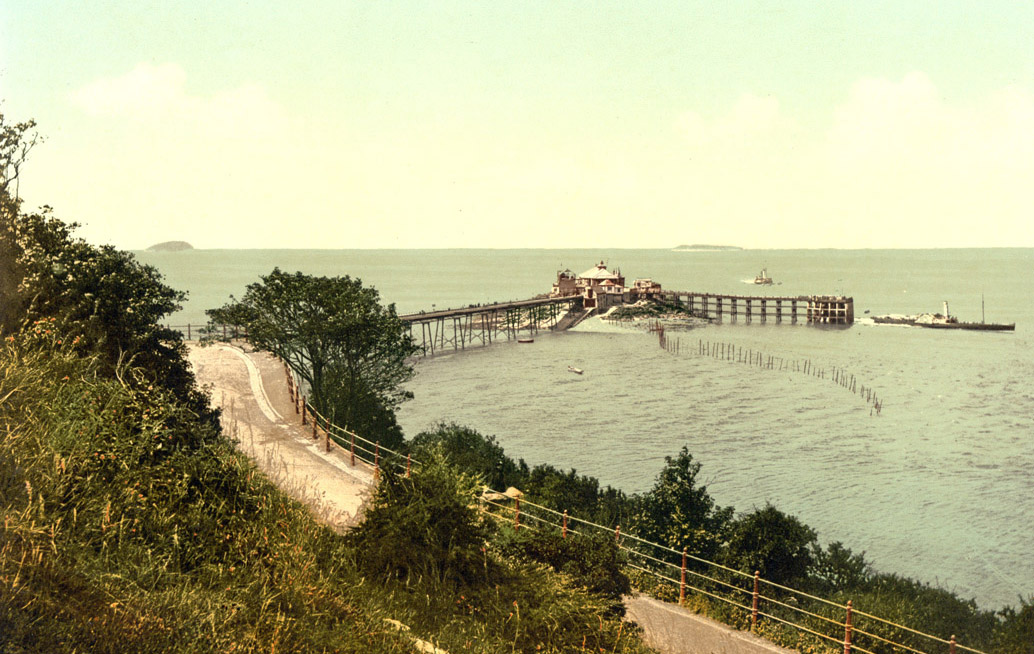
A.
pixel 728 351
pixel 192 331
pixel 752 599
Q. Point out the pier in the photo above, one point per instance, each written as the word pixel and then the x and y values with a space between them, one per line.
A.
pixel 457 329
pixel 574 297
pixel 814 309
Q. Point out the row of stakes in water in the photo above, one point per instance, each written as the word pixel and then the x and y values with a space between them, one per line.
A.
pixel 731 352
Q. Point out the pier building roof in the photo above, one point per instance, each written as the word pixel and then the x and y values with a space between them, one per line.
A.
pixel 600 272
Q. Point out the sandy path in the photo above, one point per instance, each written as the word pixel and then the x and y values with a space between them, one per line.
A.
pixel 250 388
pixel 257 412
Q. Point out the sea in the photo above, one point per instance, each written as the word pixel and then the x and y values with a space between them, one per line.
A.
pixel 937 486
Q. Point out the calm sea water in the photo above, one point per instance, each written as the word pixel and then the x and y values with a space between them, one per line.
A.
pixel 939 487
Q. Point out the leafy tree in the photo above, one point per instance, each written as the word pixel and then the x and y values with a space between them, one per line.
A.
pixel 15 143
pixel 837 568
pixel 768 540
pixel 105 301
pixel 16 140
pixel 425 526
pixel 679 513
pixel 335 334
pixel 1015 632
pixel 472 452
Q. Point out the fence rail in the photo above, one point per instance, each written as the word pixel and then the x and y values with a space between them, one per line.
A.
pixel 824 619
pixel 193 331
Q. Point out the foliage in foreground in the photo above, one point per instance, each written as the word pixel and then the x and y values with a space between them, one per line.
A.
pixel 335 334
pixel 678 512
pixel 423 539
pixel 130 525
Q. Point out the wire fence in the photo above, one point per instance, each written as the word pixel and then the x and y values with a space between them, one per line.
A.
pixel 192 331
pixel 666 573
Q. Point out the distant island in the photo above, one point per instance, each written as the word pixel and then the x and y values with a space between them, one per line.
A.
pixel 698 247
pixel 170 246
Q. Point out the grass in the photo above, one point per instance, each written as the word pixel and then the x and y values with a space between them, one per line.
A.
pixel 131 525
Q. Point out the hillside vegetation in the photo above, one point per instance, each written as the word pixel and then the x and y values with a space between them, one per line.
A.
pixel 132 524
pixel 129 524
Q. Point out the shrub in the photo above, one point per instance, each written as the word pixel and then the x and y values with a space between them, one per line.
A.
pixel 593 561
pixel 424 527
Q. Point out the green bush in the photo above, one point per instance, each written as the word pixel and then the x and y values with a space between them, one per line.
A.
pixel 769 541
pixel 471 452
pixel 130 525
pixel 592 561
pixel 424 527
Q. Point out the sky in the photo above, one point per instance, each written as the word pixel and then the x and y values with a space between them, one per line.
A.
pixel 334 124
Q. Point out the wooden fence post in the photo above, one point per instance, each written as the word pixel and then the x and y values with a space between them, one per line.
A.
pixel 951 645
pixel 754 609
pixel 304 406
pixel 682 582
pixel 563 533
pixel 847 630
pixel 351 449
pixel 377 460
pixel 409 463
pixel 516 514
pixel 617 535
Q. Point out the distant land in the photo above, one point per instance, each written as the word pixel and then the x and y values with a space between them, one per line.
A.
pixel 170 246
pixel 698 247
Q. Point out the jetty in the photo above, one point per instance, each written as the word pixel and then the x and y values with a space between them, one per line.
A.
pixel 483 324
pixel 814 309
pixel 575 297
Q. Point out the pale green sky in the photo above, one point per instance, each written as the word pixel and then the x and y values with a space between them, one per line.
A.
pixel 528 124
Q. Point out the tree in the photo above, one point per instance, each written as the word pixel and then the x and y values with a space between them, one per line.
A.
pixel 472 452
pixel 778 545
pixel 16 140
pixel 15 143
pixel 334 333
pixel 679 513
pixel 837 568
pixel 425 526
pixel 104 300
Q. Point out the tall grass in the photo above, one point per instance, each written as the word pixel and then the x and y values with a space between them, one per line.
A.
pixel 128 524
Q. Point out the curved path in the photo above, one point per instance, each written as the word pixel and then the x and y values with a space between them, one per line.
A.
pixel 257 412
pixel 250 388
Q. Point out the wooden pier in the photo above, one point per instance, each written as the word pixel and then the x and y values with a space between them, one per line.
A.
pixel 458 329
pixel 814 309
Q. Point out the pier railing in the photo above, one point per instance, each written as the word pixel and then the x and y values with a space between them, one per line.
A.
pixel 747 601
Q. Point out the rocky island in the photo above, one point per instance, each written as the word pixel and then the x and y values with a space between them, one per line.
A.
pixel 698 247
pixel 170 246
